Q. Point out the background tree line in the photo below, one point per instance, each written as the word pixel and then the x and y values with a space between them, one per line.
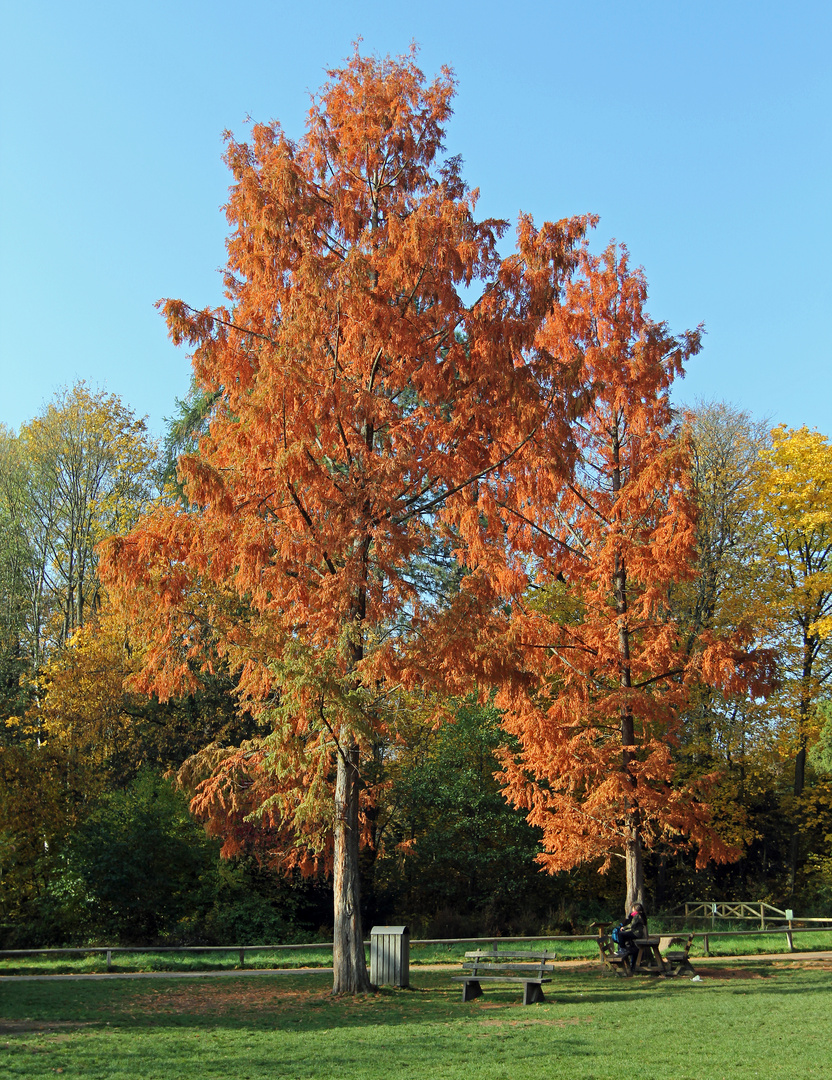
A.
pixel 95 842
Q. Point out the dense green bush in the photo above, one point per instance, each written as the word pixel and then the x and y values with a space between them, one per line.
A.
pixel 140 870
pixel 254 905
pixel 469 867
pixel 139 865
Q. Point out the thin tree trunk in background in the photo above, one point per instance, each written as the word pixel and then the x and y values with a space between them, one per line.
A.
pixel 799 783
pixel 800 758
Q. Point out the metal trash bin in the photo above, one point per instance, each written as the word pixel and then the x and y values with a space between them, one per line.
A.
pixel 390 956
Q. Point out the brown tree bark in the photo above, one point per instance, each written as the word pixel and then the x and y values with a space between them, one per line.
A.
pixel 350 974
pixel 800 757
pixel 635 869
pixel 632 848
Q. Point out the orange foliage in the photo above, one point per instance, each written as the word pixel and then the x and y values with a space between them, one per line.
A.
pixel 601 670
pixel 364 400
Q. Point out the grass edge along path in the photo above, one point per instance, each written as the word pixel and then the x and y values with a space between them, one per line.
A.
pixel 767 1019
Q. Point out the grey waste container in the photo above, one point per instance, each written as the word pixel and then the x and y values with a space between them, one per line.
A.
pixel 390 956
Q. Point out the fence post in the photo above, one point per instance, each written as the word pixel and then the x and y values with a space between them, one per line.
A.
pixel 109 959
pixel 242 957
pixel 706 943
pixel 762 916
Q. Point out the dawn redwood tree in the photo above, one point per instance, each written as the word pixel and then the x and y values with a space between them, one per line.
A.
pixel 359 403
pixel 603 672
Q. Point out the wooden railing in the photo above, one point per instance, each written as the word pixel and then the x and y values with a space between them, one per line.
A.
pixel 730 909
pixel 788 930
pixel 110 950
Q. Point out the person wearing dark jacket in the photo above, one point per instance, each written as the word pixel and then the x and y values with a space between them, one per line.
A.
pixel 633 929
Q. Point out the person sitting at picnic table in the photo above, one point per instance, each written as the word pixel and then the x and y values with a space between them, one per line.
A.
pixel 633 929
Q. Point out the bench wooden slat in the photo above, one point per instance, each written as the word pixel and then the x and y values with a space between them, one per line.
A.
pixel 497 978
pixel 473 966
pixel 610 958
pixel 532 988
pixel 510 955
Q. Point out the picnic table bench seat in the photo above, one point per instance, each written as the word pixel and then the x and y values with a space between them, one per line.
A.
pixel 678 960
pixel 499 965
pixel 610 957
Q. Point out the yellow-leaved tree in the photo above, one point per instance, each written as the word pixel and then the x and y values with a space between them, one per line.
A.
pixel 793 575
pixel 83 711
pixel 726 735
pixel 87 464
pixel 80 471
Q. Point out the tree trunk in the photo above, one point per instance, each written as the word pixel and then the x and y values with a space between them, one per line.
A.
pixel 799 783
pixel 350 974
pixel 632 847
pixel 800 758
pixel 633 860
pixel 635 870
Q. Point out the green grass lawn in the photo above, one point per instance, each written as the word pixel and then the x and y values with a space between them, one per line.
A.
pixel 767 1019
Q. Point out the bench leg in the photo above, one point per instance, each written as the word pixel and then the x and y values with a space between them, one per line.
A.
pixel 532 993
pixel 471 989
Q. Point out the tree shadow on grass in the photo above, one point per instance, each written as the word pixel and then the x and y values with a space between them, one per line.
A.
pixel 295 1002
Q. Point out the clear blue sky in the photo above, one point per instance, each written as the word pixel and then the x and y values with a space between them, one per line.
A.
pixel 699 131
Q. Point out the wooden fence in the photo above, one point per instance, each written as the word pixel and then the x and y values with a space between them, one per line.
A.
pixel 729 910
pixel 789 931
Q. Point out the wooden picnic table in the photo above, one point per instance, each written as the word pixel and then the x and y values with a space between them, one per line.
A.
pixel 648 958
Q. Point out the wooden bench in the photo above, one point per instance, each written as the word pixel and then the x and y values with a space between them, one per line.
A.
pixel 530 969
pixel 677 960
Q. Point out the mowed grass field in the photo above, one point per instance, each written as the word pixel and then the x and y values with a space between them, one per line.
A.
pixel 766 1019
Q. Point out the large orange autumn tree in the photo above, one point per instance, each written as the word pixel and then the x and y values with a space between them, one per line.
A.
pixel 602 673
pixel 362 400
